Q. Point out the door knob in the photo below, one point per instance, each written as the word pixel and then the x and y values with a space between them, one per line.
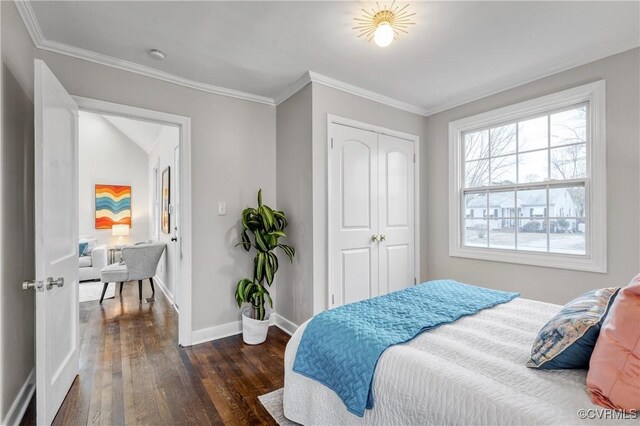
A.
pixel 174 239
pixel 57 282
pixel 383 237
pixel 39 285
pixel 375 237
pixel 26 285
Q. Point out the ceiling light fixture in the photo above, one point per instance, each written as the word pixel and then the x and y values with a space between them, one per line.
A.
pixel 383 24
pixel 157 54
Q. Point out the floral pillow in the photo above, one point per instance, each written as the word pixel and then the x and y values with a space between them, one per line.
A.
pixel 568 339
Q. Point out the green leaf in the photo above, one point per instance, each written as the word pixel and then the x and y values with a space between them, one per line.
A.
pixel 259 266
pixel 248 292
pixel 269 298
pixel 260 198
pixel 268 272
pixel 288 250
pixel 281 219
pixel 274 262
pixel 267 216
pixel 241 291
pixel 262 245
pixel 246 242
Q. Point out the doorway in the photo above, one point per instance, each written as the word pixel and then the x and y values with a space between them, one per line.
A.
pixel 165 158
pixel 56 187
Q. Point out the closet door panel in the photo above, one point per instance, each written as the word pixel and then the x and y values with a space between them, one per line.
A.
pixel 397 264
pixel 356 275
pixel 353 216
pixel 396 200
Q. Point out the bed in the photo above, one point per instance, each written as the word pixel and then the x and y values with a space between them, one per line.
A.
pixel 471 371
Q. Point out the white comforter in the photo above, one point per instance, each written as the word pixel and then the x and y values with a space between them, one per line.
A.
pixel 468 372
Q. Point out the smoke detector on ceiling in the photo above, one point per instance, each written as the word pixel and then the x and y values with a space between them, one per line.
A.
pixel 157 54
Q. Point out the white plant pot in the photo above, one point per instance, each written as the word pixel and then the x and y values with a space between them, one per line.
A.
pixel 254 331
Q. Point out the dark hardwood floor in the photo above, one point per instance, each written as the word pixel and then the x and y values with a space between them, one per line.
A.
pixel 133 372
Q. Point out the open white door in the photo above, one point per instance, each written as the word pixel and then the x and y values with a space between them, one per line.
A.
pixel 176 250
pixel 56 203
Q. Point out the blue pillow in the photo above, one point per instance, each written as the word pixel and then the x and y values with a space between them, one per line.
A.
pixel 568 339
pixel 83 249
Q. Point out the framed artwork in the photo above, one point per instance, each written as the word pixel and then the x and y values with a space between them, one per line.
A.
pixel 165 217
pixel 113 206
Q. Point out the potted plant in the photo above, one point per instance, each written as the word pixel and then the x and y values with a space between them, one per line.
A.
pixel 266 225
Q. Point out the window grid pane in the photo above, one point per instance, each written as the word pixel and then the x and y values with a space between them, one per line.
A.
pixel 552 146
pixel 547 217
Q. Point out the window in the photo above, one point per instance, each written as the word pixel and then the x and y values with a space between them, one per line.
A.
pixel 536 171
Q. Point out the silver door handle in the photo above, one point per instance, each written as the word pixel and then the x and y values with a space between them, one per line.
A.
pixel 383 237
pixel 375 237
pixel 27 285
pixel 51 282
pixel 39 285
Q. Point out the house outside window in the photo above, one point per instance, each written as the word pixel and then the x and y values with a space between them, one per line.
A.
pixel 538 169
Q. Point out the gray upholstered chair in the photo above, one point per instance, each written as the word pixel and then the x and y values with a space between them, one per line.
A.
pixel 139 263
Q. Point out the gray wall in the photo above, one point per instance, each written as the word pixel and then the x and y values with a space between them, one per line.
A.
pixel 17 220
pixel 554 285
pixel 294 282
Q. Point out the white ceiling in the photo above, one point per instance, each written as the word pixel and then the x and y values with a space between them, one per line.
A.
pixel 456 52
pixel 142 133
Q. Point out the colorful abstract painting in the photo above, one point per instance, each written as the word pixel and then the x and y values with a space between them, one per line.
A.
pixel 113 206
pixel 166 200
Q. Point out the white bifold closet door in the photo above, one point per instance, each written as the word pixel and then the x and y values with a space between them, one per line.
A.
pixel 372 219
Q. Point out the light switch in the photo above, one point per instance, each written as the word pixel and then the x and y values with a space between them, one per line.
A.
pixel 222 208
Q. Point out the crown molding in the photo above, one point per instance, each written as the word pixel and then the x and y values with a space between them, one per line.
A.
pixel 364 93
pixel 298 85
pixel 33 27
pixel 314 77
pixel 534 74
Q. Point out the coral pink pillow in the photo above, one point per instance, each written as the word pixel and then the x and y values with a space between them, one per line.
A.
pixel 614 369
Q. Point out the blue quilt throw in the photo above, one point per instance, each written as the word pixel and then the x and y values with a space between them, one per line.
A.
pixel 341 347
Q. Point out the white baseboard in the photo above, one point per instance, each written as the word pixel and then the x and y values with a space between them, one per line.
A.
pixel 20 404
pixel 215 333
pixel 164 289
pixel 284 324
pixel 235 327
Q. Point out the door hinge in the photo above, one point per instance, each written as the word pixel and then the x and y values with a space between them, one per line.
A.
pixel 414 158
pixel 331 143
pixel 415 281
pixel 333 299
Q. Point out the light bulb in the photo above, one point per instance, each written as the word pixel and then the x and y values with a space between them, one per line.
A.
pixel 383 35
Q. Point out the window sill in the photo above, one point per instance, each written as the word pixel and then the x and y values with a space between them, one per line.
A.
pixel 549 260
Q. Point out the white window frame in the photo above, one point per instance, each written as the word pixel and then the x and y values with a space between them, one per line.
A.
pixel 595 259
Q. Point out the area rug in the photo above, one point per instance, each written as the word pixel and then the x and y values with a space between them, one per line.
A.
pixel 272 402
pixel 90 291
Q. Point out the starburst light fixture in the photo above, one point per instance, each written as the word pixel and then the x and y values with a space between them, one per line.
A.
pixel 383 24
